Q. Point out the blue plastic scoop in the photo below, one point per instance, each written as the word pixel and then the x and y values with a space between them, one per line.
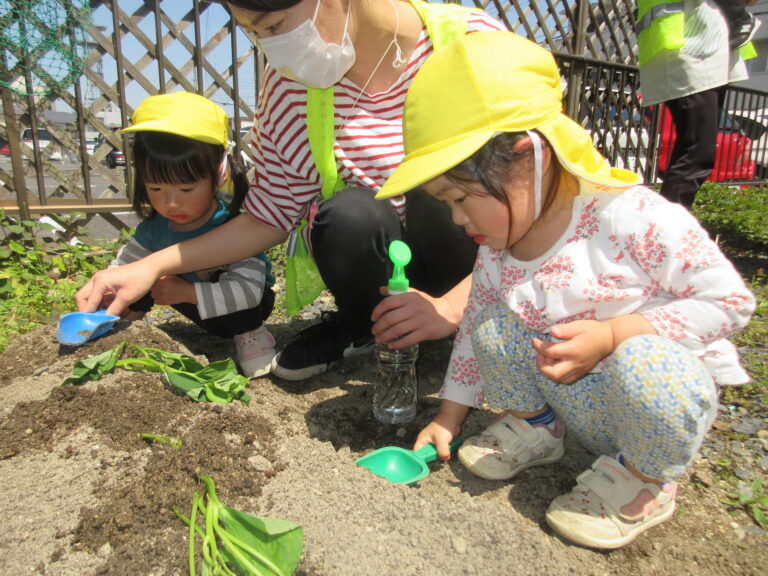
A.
pixel 401 466
pixel 77 328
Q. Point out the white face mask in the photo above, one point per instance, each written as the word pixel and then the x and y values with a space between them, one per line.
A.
pixel 302 55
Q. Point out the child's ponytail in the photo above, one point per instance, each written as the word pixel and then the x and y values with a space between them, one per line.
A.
pixel 239 179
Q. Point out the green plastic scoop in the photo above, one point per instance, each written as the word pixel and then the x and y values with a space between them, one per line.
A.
pixel 401 466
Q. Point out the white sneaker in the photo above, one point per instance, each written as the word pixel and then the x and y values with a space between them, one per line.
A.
pixel 610 507
pixel 255 350
pixel 509 446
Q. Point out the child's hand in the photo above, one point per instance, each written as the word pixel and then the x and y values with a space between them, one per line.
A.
pixel 132 315
pixel 436 434
pixel 170 290
pixel 585 343
pixel 444 428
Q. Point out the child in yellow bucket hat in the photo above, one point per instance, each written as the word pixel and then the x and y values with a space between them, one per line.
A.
pixel 183 172
pixel 597 307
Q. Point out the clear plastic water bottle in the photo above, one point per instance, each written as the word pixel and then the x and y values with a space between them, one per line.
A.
pixel 395 392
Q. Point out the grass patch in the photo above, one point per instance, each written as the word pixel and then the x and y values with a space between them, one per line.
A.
pixel 41 269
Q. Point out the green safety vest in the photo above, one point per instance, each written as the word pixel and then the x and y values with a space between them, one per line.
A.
pixel 661 26
pixel 303 282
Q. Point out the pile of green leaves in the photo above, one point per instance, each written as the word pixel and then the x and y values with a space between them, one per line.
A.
pixel 234 542
pixel 217 382
pixel 38 278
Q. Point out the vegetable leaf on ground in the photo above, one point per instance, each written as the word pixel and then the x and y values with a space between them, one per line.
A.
pixel 234 542
pixel 218 382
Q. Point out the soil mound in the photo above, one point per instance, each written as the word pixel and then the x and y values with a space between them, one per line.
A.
pixel 84 494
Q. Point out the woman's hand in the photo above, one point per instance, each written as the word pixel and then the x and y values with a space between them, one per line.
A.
pixel 115 288
pixel 443 429
pixel 406 319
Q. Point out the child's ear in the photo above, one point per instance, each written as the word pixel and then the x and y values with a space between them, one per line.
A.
pixel 524 146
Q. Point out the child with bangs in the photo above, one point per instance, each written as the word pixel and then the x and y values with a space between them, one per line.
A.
pixel 183 172
pixel 598 308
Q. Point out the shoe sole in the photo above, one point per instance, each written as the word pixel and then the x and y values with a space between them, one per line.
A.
pixel 489 476
pixel 299 374
pixel 578 536
pixel 296 375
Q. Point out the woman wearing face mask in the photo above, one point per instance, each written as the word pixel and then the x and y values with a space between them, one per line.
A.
pixel 320 156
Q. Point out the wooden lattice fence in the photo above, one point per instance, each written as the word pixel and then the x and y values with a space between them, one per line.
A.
pixel 135 48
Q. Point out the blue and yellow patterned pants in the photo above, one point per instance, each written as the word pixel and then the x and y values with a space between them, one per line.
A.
pixel 654 400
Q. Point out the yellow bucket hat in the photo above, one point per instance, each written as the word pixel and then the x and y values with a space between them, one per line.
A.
pixel 482 84
pixel 184 114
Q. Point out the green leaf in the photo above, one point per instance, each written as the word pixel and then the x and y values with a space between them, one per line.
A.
pixel 16 247
pixel 234 542
pixel 279 540
pixel 93 367
pixel 187 384
pixel 218 382
pixel 172 441
pixel 760 517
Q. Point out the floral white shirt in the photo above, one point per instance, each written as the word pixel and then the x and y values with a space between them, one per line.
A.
pixel 626 253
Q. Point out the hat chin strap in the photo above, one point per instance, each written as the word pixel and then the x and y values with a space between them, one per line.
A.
pixel 537 162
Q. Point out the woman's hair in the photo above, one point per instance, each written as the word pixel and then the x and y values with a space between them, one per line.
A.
pixel 171 159
pixel 263 5
pixel 493 165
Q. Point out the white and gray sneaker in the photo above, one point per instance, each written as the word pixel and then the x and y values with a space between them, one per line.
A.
pixel 254 351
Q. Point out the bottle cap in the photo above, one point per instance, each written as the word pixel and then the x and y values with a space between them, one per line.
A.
pixel 400 255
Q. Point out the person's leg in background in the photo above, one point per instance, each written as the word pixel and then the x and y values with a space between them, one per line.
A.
pixel 696 119
pixel 350 238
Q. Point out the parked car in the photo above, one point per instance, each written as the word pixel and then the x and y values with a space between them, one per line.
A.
pixel 44 140
pixel 115 157
pixel 44 137
pixel 734 148
pixel 754 123
pixel 5 150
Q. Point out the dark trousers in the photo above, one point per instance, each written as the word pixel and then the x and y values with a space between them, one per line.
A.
pixel 350 238
pixel 225 326
pixel 696 119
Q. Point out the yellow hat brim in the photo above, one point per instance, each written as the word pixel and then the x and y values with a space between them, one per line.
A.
pixel 499 82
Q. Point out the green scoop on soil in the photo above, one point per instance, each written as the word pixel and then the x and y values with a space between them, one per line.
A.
pixel 401 466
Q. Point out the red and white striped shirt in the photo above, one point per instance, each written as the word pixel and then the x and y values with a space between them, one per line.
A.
pixel 369 138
